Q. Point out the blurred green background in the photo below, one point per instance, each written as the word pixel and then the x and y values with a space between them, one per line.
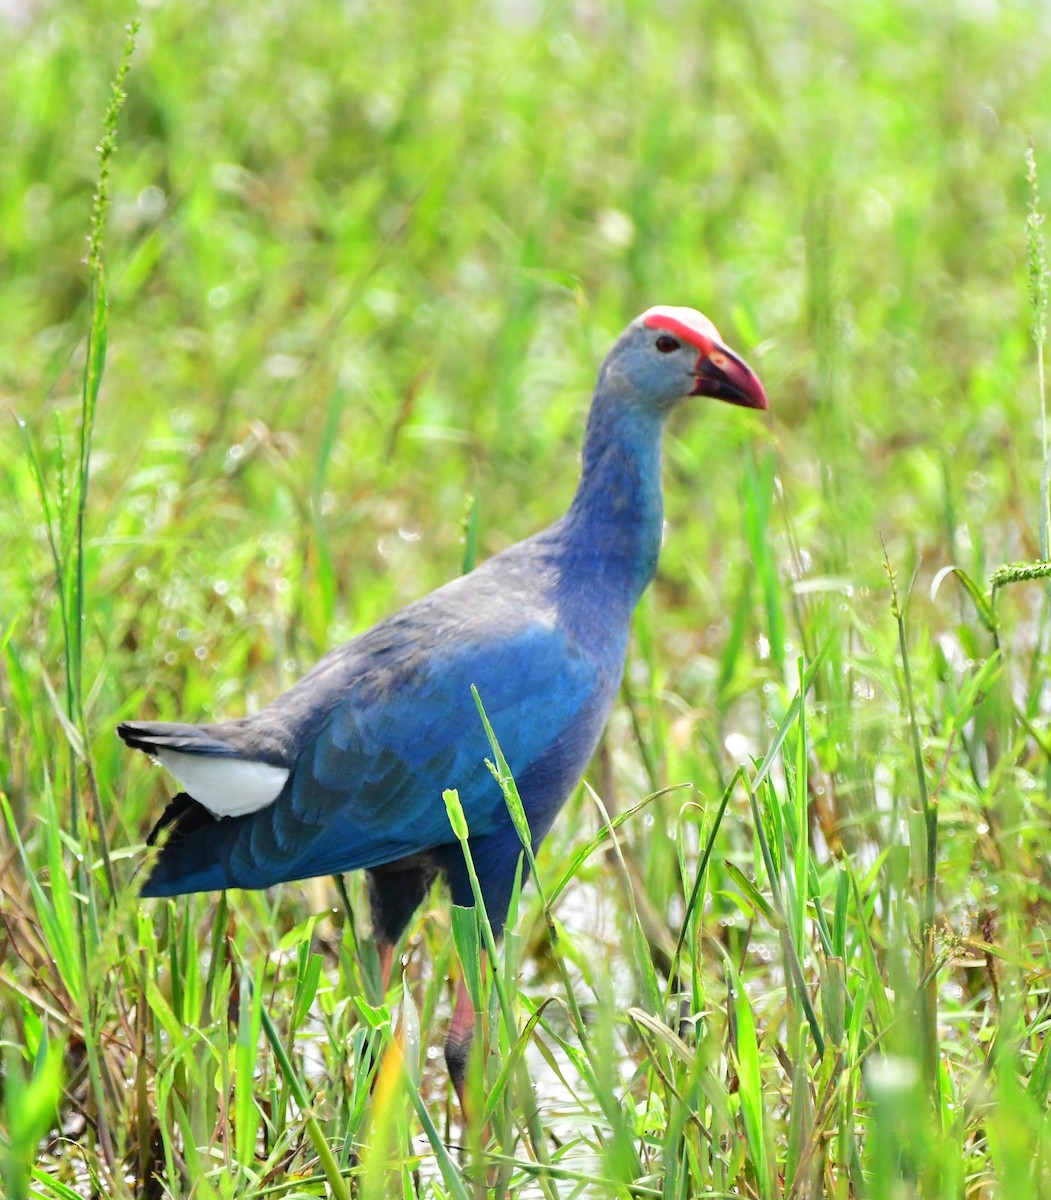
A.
pixel 363 262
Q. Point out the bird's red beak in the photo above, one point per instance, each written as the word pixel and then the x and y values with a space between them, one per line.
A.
pixel 720 373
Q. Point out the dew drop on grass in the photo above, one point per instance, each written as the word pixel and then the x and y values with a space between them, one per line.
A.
pixel 37 197
pixel 616 227
pixel 284 366
pixel 891 1074
pixel 736 746
pixel 151 203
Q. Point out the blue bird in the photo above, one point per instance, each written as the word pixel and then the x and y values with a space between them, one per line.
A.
pixel 347 768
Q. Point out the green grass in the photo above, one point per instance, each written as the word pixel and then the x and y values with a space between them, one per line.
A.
pixel 350 277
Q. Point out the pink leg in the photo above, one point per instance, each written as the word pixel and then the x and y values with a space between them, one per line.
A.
pixel 458 1043
pixel 386 952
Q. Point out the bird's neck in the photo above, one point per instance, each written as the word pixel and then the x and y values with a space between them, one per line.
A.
pixel 615 522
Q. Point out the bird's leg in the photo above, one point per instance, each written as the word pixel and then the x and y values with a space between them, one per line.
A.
pixel 386 953
pixel 458 1043
pixel 396 891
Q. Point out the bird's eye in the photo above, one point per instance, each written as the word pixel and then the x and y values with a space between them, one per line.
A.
pixel 666 344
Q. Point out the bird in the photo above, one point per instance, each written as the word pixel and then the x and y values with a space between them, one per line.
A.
pixel 347 769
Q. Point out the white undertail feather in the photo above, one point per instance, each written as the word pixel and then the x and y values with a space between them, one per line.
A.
pixel 227 787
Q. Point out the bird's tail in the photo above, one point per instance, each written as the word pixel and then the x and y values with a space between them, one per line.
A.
pixel 187 834
pixel 154 737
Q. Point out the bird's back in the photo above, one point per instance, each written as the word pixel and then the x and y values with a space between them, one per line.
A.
pixel 373 734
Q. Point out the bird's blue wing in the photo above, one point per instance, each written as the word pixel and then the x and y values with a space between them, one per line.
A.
pixel 367 785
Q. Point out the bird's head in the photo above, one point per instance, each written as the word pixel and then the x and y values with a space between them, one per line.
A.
pixel 668 353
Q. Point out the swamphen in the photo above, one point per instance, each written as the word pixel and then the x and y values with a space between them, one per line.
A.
pixel 347 768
